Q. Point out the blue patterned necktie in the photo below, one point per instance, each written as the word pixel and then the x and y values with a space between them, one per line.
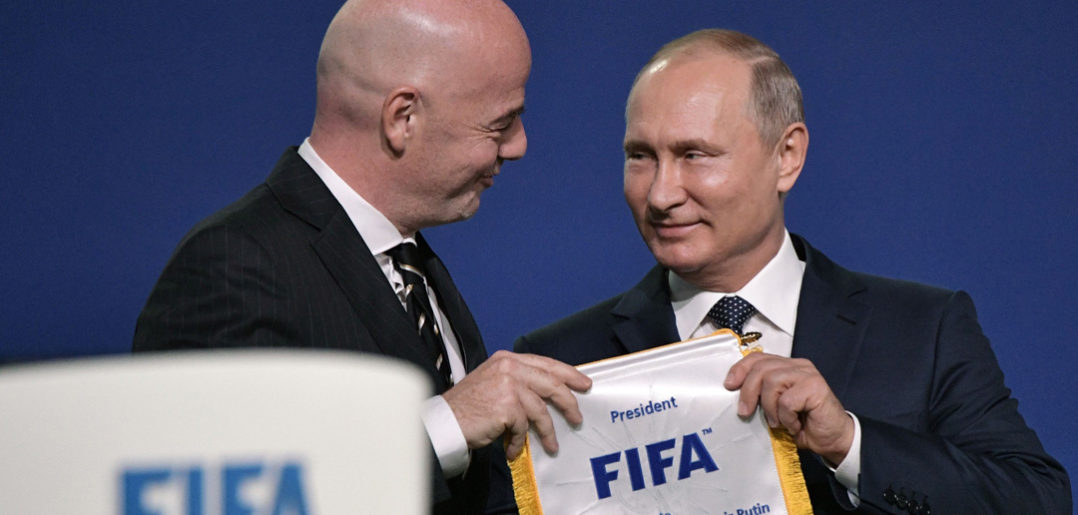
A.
pixel 731 312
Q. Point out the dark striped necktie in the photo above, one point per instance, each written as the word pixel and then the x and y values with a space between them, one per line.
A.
pixel 406 259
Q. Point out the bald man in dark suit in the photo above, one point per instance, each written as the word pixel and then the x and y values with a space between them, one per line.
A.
pixel 419 105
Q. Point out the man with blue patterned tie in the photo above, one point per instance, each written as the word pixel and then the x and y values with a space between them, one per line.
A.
pixel 889 388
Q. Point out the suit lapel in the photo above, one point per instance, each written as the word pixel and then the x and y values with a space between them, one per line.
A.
pixel 347 258
pixel 644 316
pixel 831 322
pixel 350 262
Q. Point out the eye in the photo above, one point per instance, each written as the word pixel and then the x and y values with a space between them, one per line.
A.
pixel 637 153
pixel 693 155
pixel 504 126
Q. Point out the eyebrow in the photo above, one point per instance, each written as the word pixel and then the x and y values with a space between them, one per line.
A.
pixel 635 145
pixel 693 143
pixel 679 146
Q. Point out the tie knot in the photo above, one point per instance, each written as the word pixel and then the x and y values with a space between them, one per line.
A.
pixel 406 258
pixel 731 312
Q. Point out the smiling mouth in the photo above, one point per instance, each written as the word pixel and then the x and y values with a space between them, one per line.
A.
pixel 672 230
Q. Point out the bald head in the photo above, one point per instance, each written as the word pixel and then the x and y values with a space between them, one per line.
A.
pixel 373 46
pixel 407 87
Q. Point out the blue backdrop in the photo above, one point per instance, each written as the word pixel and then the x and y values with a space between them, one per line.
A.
pixel 941 151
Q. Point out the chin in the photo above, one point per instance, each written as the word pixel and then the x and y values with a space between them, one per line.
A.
pixel 468 210
pixel 679 260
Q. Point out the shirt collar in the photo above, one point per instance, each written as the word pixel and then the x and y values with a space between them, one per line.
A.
pixel 774 292
pixel 376 230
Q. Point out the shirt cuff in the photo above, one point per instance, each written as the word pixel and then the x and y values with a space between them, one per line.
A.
pixel 446 437
pixel 848 472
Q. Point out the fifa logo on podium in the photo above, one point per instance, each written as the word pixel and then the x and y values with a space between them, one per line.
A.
pixel 233 488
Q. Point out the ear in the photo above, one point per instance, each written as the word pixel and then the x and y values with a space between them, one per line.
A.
pixel 791 151
pixel 399 118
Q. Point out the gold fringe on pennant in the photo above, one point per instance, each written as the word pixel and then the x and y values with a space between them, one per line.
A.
pixel 788 464
pixel 524 488
pixel 794 490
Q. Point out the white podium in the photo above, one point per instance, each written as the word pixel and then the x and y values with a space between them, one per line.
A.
pixel 214 433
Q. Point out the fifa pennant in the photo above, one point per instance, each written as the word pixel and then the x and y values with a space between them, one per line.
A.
pixel 661 435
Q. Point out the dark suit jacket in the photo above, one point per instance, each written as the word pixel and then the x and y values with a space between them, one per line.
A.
pixel 938 424
pixel 285 267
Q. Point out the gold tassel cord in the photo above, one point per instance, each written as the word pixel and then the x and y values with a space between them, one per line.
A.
pixel 787 462
pixel 524 488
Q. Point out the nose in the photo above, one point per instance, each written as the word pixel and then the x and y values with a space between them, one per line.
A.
pixel 514 143
pixel 666 191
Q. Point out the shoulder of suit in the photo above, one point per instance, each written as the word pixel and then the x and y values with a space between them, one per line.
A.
pixel 257 216
pixel 905 299
pixel 892 287
pixel 582 324
pixel 861 284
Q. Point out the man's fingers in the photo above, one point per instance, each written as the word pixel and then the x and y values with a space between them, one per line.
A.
pixel 508 392
pixel 793 425
pixel 769 400
pixel 566 402
pixel 537 414
pixel 762 378
pixel 572 377
pixel 551 379
pixel 782 395
pixel 748 398
pixel 753 369
pixel 516 445
pixel 736 376
pixel 561 373
pixel 789 416
pixel 517 432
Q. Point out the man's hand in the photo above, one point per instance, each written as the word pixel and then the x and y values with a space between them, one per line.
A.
pixel 509 391
pixel 794 395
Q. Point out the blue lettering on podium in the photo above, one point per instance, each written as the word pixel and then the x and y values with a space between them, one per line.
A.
pixel 233 478
pixel 186 484
pixel 194 491
pixel 290 499
pixel 135 482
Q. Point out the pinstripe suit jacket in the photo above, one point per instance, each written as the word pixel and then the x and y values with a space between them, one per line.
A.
pixel 285 267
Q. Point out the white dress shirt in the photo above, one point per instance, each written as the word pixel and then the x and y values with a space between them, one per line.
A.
pixel 774 292
pixel 381 235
